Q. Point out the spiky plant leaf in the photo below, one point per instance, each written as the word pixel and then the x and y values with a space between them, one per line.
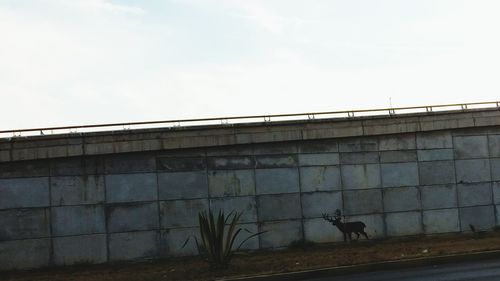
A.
pixel 218 234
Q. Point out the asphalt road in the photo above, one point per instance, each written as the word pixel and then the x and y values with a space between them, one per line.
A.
pixel 488 270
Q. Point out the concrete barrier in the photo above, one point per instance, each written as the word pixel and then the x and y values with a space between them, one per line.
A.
pixel 137 195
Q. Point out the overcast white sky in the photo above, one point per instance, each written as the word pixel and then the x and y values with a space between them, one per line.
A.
pixel 66 62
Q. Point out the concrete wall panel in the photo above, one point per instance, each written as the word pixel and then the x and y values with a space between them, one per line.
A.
pixel 398 156
pixel 85 249
pixel 130 163
pixel 430 140
pixel 375 127
pixel 401 199
pixel 436 172
pixel 276 161
pixel 77 166
pixel 236 150
pixel 319 159
pixel 481 217
pixel 183 185
pixel 495 169
pixel 24 169
pixel 186 152
pixel 5 156
pixel 359 158
pixel 74 166
pixel 441 221
pixel 494 145
pixel 474 194
pixel 24 193
pixel 133 245
pixel 275 148
pixel 319 178
pixel 406 223
pixel 281 180
pixel 340 130
pixel 245 205
pixel 358 145
pixel 77 190
pixel 231 162
pixel 497 214
pixel 475 170
pixel 24 223
pixel 181 213
pixel 280 233
pixel 180 164
pixel 399 142
pixel 467 147
pixel 361 176
pixel 24 254
pixel 231 183
pixel 319 146
pixel 76 220
pixel 435 154
pixel 496 192
pixel 399 174
pixel 363 202
pixel 438 196
pixel 279 207
pixel 130 217
pixel 131 188
pixel 315 204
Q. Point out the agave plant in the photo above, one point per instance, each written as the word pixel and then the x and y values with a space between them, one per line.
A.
pixel 218 235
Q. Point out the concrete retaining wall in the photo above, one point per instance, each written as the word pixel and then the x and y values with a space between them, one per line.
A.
pixel 94 209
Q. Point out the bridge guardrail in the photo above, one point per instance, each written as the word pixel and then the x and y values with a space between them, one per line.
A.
pixel 225 121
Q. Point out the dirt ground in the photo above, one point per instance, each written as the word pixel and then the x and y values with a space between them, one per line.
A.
pixel 296 258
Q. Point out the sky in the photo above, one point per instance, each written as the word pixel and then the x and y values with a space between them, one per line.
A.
pixel 69 62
